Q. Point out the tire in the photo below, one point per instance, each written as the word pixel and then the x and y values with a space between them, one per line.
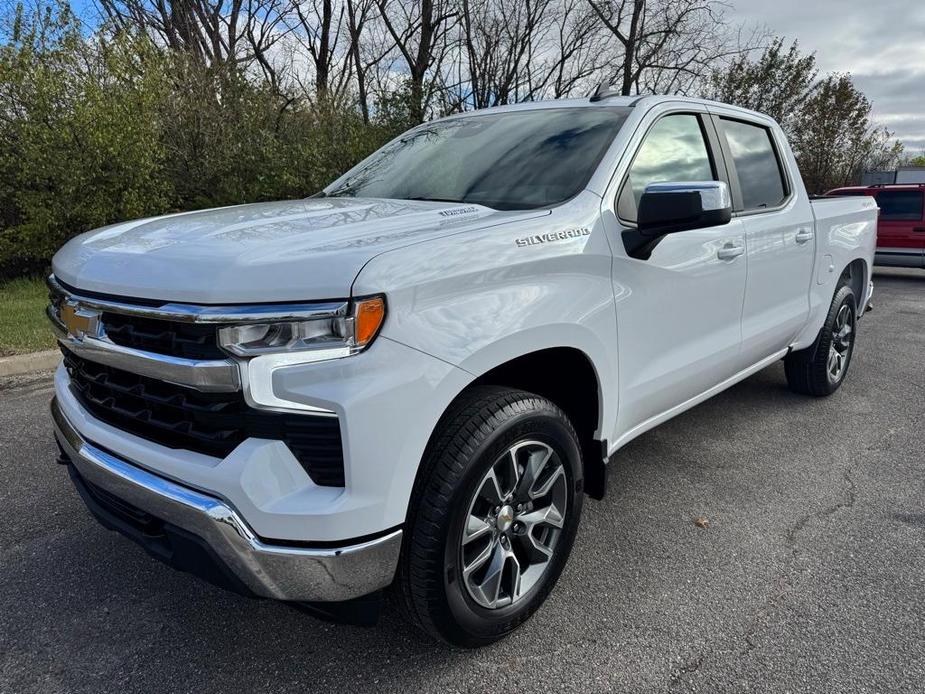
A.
pixel 812 371
pixel 444 589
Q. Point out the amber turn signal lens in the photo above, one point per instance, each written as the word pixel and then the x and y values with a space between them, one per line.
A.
pixel 368 316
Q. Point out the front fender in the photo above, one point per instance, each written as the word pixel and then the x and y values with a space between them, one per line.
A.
pixel 479 299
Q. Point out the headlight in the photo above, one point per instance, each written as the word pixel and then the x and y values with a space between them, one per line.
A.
pixel 327 337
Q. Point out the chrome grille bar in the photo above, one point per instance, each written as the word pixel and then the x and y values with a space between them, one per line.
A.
pixel 90 342
pixel 196 313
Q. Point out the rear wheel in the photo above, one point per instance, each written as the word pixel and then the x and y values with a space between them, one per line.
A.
pixel 821 368
pixel 494 516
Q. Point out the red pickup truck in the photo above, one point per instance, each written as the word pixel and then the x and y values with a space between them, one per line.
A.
pixel 901 225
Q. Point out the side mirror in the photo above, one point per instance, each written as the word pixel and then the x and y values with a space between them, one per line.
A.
pixel 666 208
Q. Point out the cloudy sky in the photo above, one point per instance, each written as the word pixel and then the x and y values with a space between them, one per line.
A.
pixel 881 42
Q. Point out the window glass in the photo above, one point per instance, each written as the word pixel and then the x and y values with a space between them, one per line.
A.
pixel 674 151
pixel 900 205
pixel 514 160
pixel 760 178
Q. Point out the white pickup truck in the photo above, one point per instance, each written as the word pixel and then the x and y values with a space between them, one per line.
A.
pixel 412 378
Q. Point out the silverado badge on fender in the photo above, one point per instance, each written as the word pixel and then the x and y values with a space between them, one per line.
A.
pixel 538 239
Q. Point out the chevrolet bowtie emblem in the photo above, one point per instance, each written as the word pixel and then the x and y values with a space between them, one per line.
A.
pixel 79 321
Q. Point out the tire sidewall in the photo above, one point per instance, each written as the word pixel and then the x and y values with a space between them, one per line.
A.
pixel 844 295
pixel 476 622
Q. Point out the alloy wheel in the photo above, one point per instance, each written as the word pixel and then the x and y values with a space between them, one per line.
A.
pixel 513 524
pixel 841 344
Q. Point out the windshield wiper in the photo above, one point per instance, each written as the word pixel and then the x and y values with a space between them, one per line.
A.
pixel 426 199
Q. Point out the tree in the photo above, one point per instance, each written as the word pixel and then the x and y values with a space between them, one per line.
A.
pixel 420 31
pixel 317 27
pixel 499 37
pixel 885 153
pixel 213 32
pixel 79 145
pixel 576 53
pixel 358 14
pixel 665 45
pixel 179 104
pixel 834 139
pixel 827 121
pixel 208 29
pixel 777 83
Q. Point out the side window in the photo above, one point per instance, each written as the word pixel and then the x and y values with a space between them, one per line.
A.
pixel 674 150
pixel 757 166
pixel 900 205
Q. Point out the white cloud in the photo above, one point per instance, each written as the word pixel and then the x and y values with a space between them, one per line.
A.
pixel 881 43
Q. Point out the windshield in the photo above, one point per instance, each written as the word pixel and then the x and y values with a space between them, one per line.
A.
pixel 513 160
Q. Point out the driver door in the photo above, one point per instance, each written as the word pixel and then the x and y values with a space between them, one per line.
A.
pixel 679 310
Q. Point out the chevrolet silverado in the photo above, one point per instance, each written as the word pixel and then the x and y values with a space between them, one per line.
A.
pixel 412 379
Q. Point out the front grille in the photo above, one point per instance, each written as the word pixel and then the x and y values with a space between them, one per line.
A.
pixel 176 339
pixel 209 423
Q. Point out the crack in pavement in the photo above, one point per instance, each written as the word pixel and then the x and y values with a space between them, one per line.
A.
pixel 782 582
pixel 686 668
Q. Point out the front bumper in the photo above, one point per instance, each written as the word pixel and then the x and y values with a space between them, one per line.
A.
pixel 280 571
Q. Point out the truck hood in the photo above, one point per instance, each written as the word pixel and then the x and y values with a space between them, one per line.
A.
pixel 281 251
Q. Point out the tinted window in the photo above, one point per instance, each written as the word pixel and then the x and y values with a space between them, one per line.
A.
pixel 900 205
pixel 674 151
pixel 513 160
pixel 760 177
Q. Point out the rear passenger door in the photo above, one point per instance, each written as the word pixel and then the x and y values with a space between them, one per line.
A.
pixel 900 228
pixel 779 229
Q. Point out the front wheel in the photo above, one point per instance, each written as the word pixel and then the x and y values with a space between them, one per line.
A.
pixel 493 516
pixel 821 368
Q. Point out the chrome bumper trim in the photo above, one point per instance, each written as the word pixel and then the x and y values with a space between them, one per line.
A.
pixel 272 571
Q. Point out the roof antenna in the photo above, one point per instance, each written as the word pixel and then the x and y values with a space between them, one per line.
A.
pixel 602 91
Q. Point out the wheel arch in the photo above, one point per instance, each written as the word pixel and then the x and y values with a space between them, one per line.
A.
pixel 856 274
pixel 567 377
pixel 855 271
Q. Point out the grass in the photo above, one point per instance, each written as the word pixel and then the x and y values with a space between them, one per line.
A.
pixel 23 325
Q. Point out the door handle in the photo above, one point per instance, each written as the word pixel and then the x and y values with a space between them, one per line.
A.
pixel 804 235
pixel 730 251
pixel 919 229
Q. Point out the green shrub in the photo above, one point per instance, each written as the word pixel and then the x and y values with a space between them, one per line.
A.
pixel 78 148
pixel 96 129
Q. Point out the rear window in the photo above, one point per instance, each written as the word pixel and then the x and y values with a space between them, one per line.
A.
pixel 900 205
pixel 760 177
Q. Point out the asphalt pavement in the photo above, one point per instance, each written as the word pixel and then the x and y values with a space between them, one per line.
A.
pixel 809 578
